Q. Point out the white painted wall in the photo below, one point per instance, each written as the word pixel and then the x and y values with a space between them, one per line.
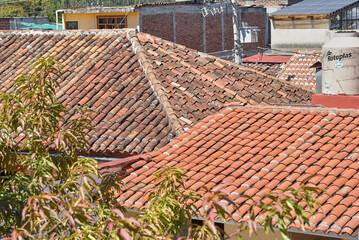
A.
pixel 293 39
pixel 261 235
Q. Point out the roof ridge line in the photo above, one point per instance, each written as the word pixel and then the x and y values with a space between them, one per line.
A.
pixel 309 108
pixel 156 85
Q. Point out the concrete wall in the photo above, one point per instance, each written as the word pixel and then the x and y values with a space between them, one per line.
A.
pixel 293 39
pixel 261 235
pixel 88 21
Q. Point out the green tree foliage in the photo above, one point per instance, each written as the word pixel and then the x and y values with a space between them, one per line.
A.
pixel 29 8
pixel 48 192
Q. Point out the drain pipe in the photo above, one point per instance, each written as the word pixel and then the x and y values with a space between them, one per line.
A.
pixel 57 19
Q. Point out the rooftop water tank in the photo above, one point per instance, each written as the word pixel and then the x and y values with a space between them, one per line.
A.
pixel 341 64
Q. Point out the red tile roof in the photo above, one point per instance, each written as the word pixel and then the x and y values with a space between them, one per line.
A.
pixel 260 149
pixel 299 70
pixel 270 69
pixel 264 58
pixel 144 91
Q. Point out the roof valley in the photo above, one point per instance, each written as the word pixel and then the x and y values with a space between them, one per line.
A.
pixel 156 85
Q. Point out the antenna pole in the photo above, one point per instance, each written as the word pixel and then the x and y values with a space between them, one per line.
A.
pixel 236 37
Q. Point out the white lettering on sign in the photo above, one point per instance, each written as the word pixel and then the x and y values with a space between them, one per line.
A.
pixel 333 57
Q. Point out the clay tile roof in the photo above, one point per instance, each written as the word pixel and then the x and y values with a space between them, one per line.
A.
pixel 270 69
pixel 263 148
pixel 264 58
pixel 299 70
pixel 144 91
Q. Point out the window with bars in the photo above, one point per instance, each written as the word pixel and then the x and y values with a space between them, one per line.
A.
pixel 111 22
pixel 72 25
pixel 348 19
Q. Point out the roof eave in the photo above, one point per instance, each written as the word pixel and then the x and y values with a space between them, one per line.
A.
pixel 99 9
pixel 299 16
pixel 355 236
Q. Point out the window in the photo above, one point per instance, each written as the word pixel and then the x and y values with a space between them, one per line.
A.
pixel 346 19
pixel 72 25
pixel 111 22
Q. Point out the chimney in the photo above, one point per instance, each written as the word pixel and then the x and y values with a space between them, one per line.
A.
pixel 340 72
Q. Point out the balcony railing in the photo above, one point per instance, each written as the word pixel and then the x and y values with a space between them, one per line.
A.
pixel 105 3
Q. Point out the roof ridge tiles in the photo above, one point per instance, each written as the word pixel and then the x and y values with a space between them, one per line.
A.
pixel 156 85
pixel 309 108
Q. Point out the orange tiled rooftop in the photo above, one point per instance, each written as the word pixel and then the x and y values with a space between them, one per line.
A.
pixel 299 70
pixel 260 149
pixel 144 91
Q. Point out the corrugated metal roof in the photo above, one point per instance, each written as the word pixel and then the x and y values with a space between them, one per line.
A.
pixel 315 7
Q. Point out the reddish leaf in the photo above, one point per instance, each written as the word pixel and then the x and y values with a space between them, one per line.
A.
pixel 125 234
pixel 110 227
pixel 118 212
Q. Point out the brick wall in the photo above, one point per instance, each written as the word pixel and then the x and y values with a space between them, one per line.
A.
pixel 255 18
pixel 211 33
pixel 162 25
pixel 189 30
pixel 4 24
pixel 228 32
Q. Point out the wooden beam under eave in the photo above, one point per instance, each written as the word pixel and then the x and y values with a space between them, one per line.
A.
pixel 299 17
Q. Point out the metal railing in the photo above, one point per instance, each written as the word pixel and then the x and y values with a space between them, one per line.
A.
pixel 105 3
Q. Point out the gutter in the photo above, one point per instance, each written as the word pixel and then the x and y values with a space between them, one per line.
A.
pixel 294 230
pixel 290 230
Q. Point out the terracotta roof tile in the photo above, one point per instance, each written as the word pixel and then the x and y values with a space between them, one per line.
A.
pixel 144 91
pixel 299 70
pixel 281 162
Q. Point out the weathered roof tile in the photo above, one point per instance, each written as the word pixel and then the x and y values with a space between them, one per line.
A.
pixel 288 156
pixel 143 90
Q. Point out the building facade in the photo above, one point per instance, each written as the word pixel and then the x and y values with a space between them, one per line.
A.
pixel 306 25
pixel 203 27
